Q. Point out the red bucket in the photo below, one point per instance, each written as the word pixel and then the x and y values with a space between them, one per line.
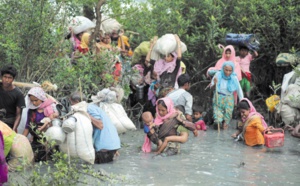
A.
pixel 274 137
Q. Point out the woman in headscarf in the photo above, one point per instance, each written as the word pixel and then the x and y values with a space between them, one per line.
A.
pixel 226 84
pixel 168 69
pixel 171 123
pixel 84 44
pixel 253 124
pixel 41 110
pixel 228 55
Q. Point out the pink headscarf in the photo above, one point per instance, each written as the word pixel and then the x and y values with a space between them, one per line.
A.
pixel 254 112
pixel 159 120
pixel 161 65
pixel 39 93
pixel 219 64
pixel 170 107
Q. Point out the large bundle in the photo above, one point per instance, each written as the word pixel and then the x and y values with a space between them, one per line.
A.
pixel 247 40
pixel 288 114
pixel 141 50
pixel 80 143
pixel 167 44
pixel 292 96
pixel 287 59
pixel 109 25
pixel 118 116
pixel 21 153
pixel 80 24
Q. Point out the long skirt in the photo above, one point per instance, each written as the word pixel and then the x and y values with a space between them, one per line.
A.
pixel 223 107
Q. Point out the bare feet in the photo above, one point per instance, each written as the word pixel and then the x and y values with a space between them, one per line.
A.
pixel 234 135
pixel 225 126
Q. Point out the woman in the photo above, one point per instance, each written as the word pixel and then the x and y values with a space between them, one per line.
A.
pixel 170 124
pixel 84 44
pixel 253 124
pixel 228 55
pixel 226 84
pixel 167 69
pixel 41 110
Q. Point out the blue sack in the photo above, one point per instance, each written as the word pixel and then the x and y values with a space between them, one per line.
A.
pixel 247 40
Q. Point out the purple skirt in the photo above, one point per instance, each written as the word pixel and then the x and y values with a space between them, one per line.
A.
pixel 3 165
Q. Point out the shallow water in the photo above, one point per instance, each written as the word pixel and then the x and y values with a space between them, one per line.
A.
pixel 212 158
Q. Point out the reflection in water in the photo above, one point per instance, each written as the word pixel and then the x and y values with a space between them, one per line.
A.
pixel 209 159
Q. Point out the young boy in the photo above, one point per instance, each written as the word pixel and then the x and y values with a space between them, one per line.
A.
pixel 150 128
pixel 198 120
pixel 244 60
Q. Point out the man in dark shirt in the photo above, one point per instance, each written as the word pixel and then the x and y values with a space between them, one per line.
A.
pixel 11 98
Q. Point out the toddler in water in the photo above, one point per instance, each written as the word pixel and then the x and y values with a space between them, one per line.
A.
pixel 150 128
pixel 198 119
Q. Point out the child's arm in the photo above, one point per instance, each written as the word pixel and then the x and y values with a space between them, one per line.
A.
pixel 189 125
pixel 152 43
pixel 26 132
pixel 254 54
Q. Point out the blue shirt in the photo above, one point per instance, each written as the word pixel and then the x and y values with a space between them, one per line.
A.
pixel 108 137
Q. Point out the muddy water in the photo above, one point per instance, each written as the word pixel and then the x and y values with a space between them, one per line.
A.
pixel 209 159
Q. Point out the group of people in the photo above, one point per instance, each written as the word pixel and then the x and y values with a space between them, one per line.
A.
pixel 169 114
pixel 42 109
pixel 231 78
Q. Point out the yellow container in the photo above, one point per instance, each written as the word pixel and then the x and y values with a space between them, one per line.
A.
pixel 272 101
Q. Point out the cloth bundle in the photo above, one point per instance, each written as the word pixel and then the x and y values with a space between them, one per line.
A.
pixel 248 40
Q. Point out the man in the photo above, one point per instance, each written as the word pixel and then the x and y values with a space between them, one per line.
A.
pixel 105 135
pixel 11 98
pixel 182 97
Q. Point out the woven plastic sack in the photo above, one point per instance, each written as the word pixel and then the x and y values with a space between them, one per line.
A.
pixel 106 107
pixel 80 24
pixel 167 44
pixel 80 143
pixel 288 114
pixel 248 40
pixel 292 96
pixel 109 25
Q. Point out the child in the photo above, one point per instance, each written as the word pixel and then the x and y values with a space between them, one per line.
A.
pixel 198 120
pixel 151 131
pixel 40 107
pixel 244 60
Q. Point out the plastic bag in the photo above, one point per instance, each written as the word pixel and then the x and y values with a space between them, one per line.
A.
pixel 80 24
pixel 109 25
pixel 167 44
